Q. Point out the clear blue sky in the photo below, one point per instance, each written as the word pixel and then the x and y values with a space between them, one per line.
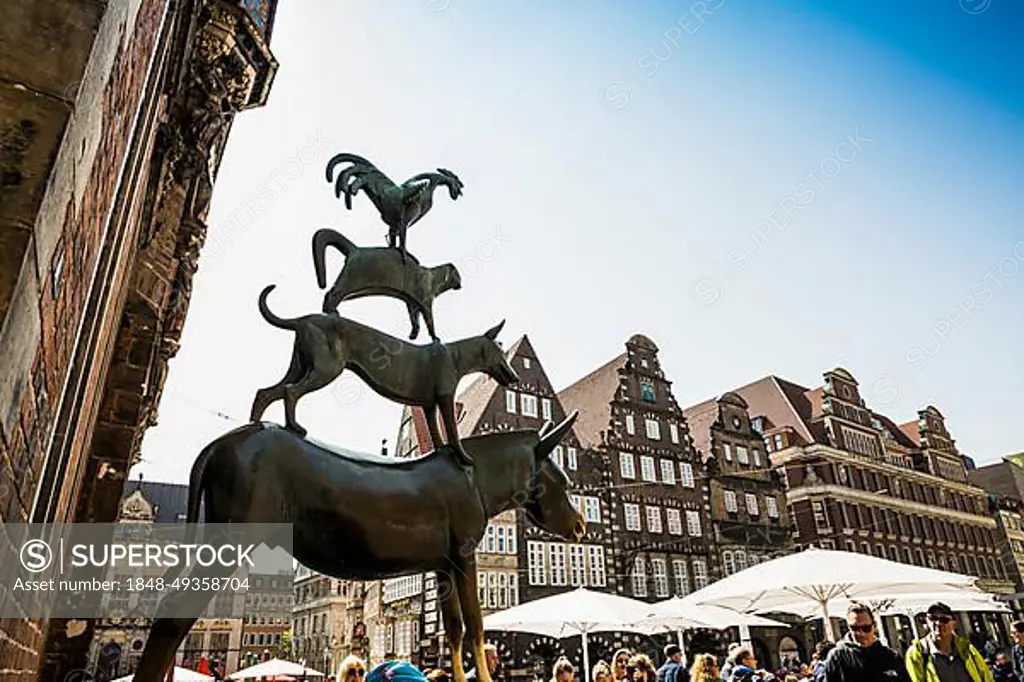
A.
pixel 763 188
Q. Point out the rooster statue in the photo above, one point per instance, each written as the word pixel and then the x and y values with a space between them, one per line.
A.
pixel 400 206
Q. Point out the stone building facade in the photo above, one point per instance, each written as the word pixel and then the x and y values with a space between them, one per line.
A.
pixel 267 620
pixel 325 618
pixel 857 481
pixel 110 148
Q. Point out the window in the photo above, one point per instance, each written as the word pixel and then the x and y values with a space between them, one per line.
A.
pixel 510 402
pixel 570 458
pixel 597 577
pixel 757 456
pixel 630 426
pixel 653 429
pixel 632 513
pixel 741 455
pixel 556 455
pixel 674 521
pixel 510 538
pixel 752 507
pixel 654 519
pixel 700 574
pixel 526 363
pixel 502 590
pixel 728 563
pixel 727 451
pixel 686 474
pixel 538 567
pixel 741 560
pixel 668 471
pixel 577 570
pixel 545 408
pixel 647 469
pixel 528 403
pixel 730 502
pixel 556 555
pixel 820 519
pixel 626 466
pixel 501 540
pixel 660 571
pixel 682 578
pixel 647 394
pixel 639 577
pixel 693 523
pixel 673 433
pixel 772 506
pixel 489 547
pixel 592 509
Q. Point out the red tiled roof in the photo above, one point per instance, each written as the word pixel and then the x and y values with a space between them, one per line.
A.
pixel 592 396
pixel 911 431
pixel 699 420
pixel 782 402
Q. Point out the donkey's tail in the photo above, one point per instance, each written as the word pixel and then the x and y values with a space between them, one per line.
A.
pixel 271 317
pixel 321 240
pixel 195 498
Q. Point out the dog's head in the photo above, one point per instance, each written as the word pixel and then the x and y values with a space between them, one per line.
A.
pixel 495 364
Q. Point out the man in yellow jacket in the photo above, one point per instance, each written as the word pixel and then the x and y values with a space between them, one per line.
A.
pixel 943 655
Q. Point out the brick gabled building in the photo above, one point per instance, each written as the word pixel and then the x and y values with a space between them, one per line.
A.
pixel 748 498
pixel 658 494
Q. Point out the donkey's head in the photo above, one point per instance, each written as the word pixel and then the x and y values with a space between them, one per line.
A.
pixel 490 358
pixel 547 502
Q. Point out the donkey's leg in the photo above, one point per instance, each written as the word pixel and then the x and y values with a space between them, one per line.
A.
pixel 471 617
pixel 451 616
pixel 165 636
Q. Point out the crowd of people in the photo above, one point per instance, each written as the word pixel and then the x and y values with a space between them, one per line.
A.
pixel 941 655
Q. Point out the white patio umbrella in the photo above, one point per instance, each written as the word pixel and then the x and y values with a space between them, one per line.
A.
pixel 577 612
pixel 681 613
pixel 180 675
pixel 823 577
pixel 274 668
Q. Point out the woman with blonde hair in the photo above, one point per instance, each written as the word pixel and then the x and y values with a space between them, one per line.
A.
pixel 641 669
pixel 352 669
pixel 601 673
pixel 704 669
pixel 563 671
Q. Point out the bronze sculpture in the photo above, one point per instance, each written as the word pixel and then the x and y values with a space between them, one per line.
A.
pixel 370 517
pixel 400 206
pixel 380 271
pixel 424 376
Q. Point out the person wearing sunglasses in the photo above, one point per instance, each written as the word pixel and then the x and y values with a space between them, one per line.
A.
pixel 943 655
pixel 860 656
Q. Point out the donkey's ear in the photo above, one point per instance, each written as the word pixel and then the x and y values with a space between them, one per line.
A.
pixel 493 332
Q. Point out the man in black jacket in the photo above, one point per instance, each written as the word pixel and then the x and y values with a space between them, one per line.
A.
pixel 860 657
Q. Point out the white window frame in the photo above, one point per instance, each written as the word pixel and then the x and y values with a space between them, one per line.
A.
pixel 668 472
pixel 686 478
pixel 556 558
pixel 673 432
pixel 682 577
pixel 693 524
pixel 674 521
pixel 627 465
pixel 631 516
pixel 595 566
pixel 741 454
pixel 659 569
pixel 556 454
pixel 648 472
pixel 771 506
pixel 538 562
pixel 727 451
pixel 528 405
pixel 571 461
pixel 639 577
pixel 756 454
pixel 510 538
pixel 630 425
pixel 753 508
pixel 510 402
pixel 700 574
pixel 653 515
pixel 653 428
pixel 592 509
pixel 728 563
pixel 577 566
pixel 545 408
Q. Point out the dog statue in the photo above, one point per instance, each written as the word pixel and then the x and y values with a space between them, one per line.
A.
pixel 423 376
pixel 381 271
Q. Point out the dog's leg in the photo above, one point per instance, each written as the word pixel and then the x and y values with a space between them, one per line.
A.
pixel 447 406
pixel 414 317
pixel 428 317
pixel 430 412
pixel 324 367
pixel 265 397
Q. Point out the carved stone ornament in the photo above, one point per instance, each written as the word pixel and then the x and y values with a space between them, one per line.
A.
pixel 136 508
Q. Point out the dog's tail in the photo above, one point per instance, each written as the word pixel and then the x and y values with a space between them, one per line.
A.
pixel 321 240
pixel 271 317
